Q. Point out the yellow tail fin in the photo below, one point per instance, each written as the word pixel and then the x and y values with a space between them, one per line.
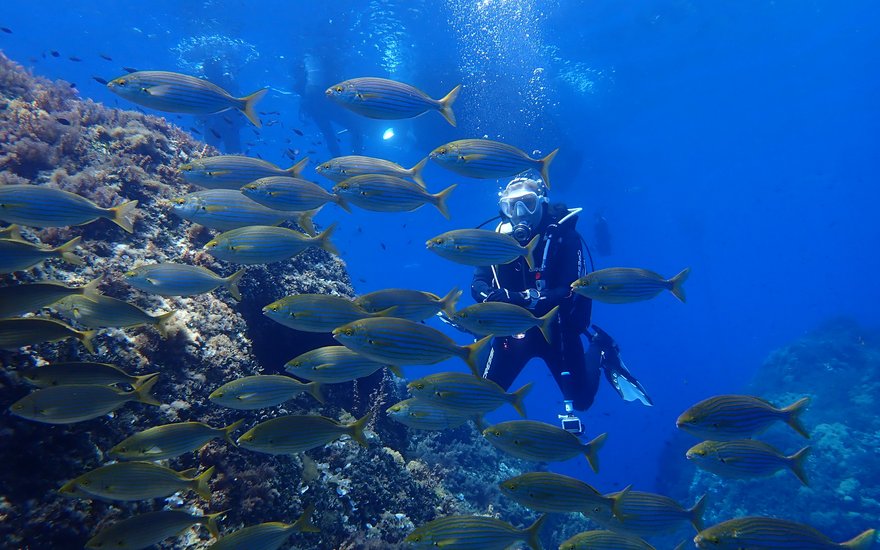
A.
pixel 545 167
pixel 356 429
pixel 518 399
pixel 796 463
pixel 65 251
pixel 530 250
pixel 304 523
pixel 793 415
pixel 142 392
pixel 91 289
pixel 677 282
pixel 695 514
pixel 446 105
pixel 304 220
pixel 440 200
pixel 591 451
pixel 228 430
pixel 533 533
pixel 449 302
pixel 295 170
pixel 162 323
pixel 340 202
pixel 473 353
pixel 416 172
pixel 861 542
pixel 211 523
pixel 86 337
pixel 323 240
pixel 122 215
pixel 231 283
pixel 547 322
pixel 200 484
pixel 314 389
pixel 248 103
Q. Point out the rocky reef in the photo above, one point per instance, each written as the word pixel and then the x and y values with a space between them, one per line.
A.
pixel 364 498
pixel 838 367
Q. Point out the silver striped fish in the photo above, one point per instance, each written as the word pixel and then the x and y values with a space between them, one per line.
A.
pixel 759 533
pixel 145 530
pixel 317 312
pixel 604 540
pixel 104 311
pixel 266 536
pixel 291 194
pixel 625 285
pixel 341 168
pixel 728 417
pixel 80 372
pixel 481 247
pixel 170 440
pixel 422 415
pixel 332 364
pixel 41 206
pixel 169 279
pixel 28 297
pixel 79 402
pixel 225 209
pixel 402 342
pixel 299 433
pixel 746 458
pixel 18 332
pixel 266 244
pixel 414 305
pixel 21 255
pixel 380 193
pixel 474 533
pixel 466 394
pixel 180 93
pixel 646 514
pixel 127 481
pixel 501 319
pixel 389 100
pixel 262 391
pixel 550 492
pixel 488 159
pixel 233 171
pixel 542 442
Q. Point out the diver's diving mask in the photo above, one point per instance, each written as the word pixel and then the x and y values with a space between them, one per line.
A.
pixel 520 205
pixel 520 202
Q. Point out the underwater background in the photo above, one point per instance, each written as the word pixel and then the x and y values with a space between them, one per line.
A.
pixel 737 138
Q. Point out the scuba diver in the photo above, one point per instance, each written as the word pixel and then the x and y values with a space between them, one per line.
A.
pixel 526 211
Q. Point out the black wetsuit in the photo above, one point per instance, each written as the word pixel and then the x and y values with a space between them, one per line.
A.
pixel 564 356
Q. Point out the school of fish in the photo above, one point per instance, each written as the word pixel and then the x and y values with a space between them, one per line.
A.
pixel 246 200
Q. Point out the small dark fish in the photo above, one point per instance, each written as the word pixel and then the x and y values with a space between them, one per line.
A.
pixel 193 130
pixel 311 151
pixel 274 112
pixel 6 30
pixel 99 80
pixel 272 122
pixel 74 58
pixel 602 235
pixel 383 246
pixel 227 119
pixel 298 132
pixel 54 53
pixel 73 85
pixel 215 133
pixel 290 154
pixel 361 279
pixel 258 155
pixel 105 57
pixel 129 69
pixel 63 121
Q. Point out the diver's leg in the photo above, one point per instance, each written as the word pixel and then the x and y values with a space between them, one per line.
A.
pixel 506 360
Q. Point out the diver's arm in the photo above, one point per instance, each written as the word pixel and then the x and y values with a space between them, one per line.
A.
pixel 482 284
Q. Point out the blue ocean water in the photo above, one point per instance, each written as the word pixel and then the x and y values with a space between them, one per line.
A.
pixel 737 138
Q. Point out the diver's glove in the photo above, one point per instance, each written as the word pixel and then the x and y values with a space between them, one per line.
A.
pixel 508 297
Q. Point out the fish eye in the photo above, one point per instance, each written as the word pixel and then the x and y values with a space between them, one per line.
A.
pixel 603 287
pixel 516 441
pixel 338 89
pixel 419 386
pixel 121 82
pixel 442 151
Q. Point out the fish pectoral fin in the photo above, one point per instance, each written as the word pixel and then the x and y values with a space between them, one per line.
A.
pixel 244 396
pixel 361 95
pixel 238 247
pixel 152 281
pixel 157 91
pixel 444 394
pixel 153 451
pixel 472 157
pixel 214 208
pixel 446 543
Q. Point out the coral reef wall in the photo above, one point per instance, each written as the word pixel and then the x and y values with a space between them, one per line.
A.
pixel 838 367
pixel 363 497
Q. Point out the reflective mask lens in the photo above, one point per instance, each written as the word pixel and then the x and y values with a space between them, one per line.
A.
pixel 520 206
